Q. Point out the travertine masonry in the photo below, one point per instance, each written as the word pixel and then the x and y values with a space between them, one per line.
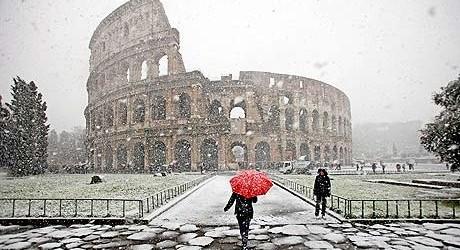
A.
pixel 139 116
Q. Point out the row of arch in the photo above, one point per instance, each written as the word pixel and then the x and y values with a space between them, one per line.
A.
pixel 106 118
pixel 303 121
pixel 154 153
pixel 140 70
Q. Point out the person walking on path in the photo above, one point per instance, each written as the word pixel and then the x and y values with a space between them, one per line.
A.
pixel 321 190
pixel 244 214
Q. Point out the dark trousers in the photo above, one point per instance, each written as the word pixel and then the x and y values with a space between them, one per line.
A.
pixel 320 200
pixel 243 222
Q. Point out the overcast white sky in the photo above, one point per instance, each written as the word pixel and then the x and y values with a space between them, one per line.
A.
pixel 388 56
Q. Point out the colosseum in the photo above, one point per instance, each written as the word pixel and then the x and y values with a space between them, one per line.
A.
pixel 144 109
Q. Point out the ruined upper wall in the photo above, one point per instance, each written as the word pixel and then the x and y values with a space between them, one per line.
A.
pixel 132 23
pixel 316 90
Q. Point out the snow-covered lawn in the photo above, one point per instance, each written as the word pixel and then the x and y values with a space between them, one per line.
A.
pixel 127 186
pixel 62 186
pixel 356 187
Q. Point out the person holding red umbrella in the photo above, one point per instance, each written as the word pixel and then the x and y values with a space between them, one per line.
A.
pixel 246 186
pixel 244 214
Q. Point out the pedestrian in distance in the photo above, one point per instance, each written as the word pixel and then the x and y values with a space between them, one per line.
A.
pixel 244 214
pixel 374 167
pixel 321 190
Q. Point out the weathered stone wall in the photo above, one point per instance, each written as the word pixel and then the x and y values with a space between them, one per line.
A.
pixel 137 118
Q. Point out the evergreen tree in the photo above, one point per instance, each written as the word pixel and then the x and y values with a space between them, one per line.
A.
pixel 4 119
pixel 28 142
pixel 442 136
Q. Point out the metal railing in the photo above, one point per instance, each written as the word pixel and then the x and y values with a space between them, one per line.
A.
pixel 45 207
pixel 380 172
pixel 382 208
pixel 403 208
pixel 91 208
pixel 164 196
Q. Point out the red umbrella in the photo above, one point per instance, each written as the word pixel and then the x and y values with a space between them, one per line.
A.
pixel 251 183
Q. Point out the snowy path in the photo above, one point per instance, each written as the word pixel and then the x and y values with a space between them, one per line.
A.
pixel 205 207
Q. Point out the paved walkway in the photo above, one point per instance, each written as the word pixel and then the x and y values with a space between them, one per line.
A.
pixel 193 224
pixel 205 207
pixel 191 237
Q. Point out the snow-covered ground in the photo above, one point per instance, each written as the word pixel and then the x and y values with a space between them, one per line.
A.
pixel 128 186
pixel 357 187
pixel 120 186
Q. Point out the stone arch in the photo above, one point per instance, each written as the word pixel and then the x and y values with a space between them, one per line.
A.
pixel 327 154
pixel 123 72
pixel 122 112
pixel 303 120
pixel 139 111
pixel 209 154
pixel 274 116
pixel 238 109
pixel 287 99
pixel 239 153
pixel 91 157
pixel 138 157
pixel 157 154
pixel 183 155
pixel 158 108
pixel 340 127
pixel 108 158
pixel 184 107
pixel 144 70
pixel 345 154
pixel 237 113
pixel 341 155
pixel 99 159
pixel 216 112
pixel 325 122
pixel 290 152
pixel 317 154
pixel 334 125
pixel 122 158
pixel 289 119
pixel 108 116
pixel 99 119
pixel 315 122
pixel 305 151
pixel 335 153
pixel 163 63
pixel 262 154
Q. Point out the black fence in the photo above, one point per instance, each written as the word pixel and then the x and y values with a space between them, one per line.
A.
pixel 382 208
pixel 380 172
pixel 102 208
pixel 91 208
pixel 164 196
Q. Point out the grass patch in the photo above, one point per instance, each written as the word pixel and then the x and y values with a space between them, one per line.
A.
pixel 357 187
pixel 62 186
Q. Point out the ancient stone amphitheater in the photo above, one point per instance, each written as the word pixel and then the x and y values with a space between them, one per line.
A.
pixel 144 109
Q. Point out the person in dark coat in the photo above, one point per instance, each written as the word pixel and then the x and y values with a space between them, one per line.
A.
pixel 244 214
pixel 321 190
